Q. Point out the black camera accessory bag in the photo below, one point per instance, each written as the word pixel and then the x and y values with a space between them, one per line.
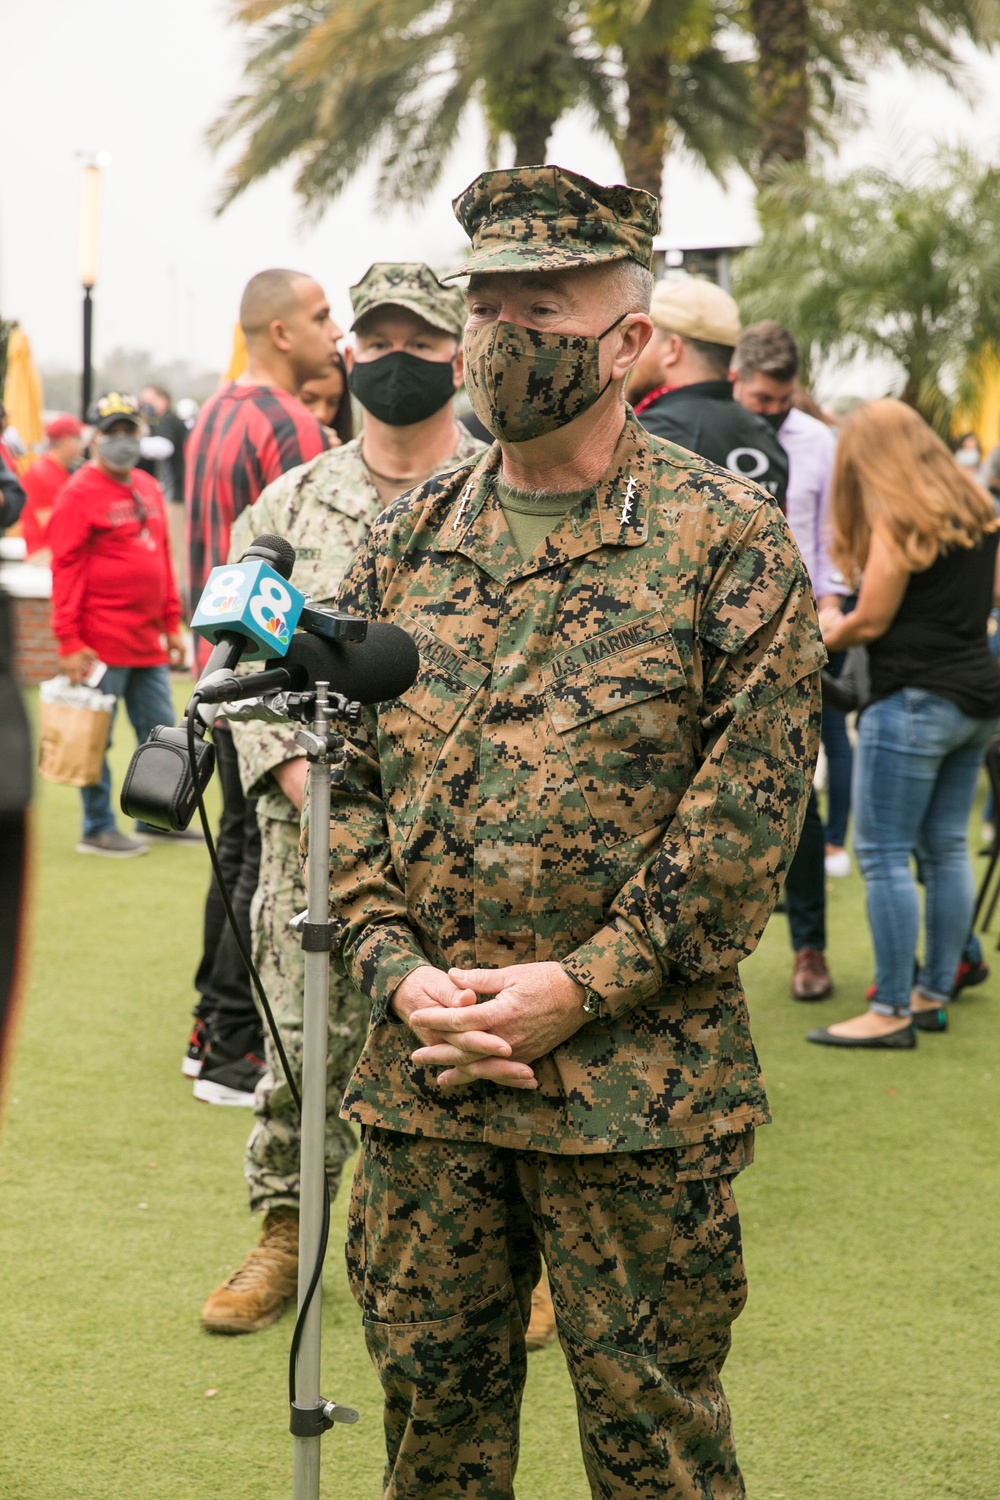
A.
pixel 159 788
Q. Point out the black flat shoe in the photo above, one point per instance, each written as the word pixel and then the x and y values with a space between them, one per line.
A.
pixel 930 1020
pixel 905 1038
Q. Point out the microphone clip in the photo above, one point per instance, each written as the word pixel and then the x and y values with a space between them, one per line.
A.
pixel 278 708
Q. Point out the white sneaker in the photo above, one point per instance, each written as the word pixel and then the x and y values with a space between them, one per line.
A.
pixel 838 865
pixel 209 1092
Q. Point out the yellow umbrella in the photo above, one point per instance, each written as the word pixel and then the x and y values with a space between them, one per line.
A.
pixel 238 358
pixel 988 423
pixel 22 396
pixel 982 415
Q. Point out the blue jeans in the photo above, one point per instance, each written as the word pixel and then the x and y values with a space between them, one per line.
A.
pixel 148 702
pixel 839 765
pixel 915 774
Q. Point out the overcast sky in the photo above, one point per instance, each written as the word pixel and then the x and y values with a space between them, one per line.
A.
pixel 143 81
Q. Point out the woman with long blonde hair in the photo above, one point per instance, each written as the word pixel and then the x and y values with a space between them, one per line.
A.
pixel 922 538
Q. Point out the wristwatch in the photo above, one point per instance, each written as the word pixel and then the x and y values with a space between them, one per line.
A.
pixel 593 1004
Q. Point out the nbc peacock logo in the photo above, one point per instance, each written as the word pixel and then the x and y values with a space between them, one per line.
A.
pixel 278 627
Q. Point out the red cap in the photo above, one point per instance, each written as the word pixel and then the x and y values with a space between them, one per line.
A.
pixel 63 426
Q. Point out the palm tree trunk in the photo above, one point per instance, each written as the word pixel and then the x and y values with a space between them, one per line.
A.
pixel 647 77
pixel 531 140
pixel 781 28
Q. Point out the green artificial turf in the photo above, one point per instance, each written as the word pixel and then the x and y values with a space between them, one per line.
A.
pixel 864 1367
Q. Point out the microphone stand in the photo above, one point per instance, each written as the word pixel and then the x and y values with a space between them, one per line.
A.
pixel 311 1415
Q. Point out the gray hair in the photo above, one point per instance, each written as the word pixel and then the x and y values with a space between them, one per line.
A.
pixel 631 286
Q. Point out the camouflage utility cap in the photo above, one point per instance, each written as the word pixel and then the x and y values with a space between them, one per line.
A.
pixel 412 285
pixel 548 219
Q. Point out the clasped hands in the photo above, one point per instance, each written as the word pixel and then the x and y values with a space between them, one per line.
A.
pixel 531 1009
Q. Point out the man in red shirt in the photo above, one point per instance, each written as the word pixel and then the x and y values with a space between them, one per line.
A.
pixel 46 477
pixel 114 598
pixel 248 433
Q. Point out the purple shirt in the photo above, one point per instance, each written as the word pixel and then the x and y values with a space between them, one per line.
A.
pixel 810 445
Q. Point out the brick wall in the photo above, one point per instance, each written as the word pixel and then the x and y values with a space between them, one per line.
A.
pixel 36 655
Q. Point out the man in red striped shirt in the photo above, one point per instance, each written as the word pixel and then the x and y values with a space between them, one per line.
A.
pixel 248 433
pixel 254 429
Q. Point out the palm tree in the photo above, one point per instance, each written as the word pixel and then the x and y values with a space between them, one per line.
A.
pixel 334 83
pixel 903 263
pixel 782 32
pixel 807 52
pixel 679 84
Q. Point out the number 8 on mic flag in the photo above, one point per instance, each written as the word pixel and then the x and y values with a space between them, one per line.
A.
pixel 249 599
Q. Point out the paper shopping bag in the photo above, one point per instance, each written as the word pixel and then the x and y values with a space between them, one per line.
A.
pixel 74 725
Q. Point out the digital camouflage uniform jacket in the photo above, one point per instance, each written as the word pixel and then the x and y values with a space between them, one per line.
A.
pixel 604 761
pixel 324 508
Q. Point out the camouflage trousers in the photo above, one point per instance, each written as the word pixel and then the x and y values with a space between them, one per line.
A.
pixel 272 1156
pixel 445 1240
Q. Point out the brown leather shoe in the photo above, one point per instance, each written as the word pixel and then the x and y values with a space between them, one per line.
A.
pixel 257 1294
pixel 542 1324
pixel 811 977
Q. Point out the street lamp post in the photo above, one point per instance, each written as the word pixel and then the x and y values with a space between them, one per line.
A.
pixel 90 218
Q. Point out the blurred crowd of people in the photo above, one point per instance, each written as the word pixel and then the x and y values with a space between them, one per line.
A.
pixel 899 536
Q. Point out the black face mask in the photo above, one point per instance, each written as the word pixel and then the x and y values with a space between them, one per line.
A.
pixel 400 389
pixel 774 419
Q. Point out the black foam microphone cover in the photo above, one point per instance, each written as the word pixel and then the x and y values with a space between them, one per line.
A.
pixel 275 550
pixel 374 670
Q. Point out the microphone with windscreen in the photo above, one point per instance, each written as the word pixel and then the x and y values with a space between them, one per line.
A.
pixel 250 609
pixel 246 609
pixel 276 550
pixel 374 670
pixel 160 787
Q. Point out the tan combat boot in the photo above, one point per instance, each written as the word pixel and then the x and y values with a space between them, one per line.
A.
pixel 257 1294
pixel 542 1323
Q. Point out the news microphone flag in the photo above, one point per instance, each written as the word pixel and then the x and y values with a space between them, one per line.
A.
pixel 252 600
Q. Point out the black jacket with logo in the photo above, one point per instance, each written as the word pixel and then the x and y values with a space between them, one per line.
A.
pixel 707 420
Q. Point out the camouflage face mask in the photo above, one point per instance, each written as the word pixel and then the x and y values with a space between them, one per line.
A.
pixel 523 383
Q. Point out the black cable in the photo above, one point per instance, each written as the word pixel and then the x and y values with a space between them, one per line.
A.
pixel 300 1321
pixel 230 914
pixel 272 1026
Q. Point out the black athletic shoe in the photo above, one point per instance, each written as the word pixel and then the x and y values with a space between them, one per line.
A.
pixel 230 1083
pixel 905 1038
pixel 231 1066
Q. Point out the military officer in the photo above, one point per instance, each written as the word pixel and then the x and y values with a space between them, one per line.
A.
pixel 406 365
pixel 548 858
